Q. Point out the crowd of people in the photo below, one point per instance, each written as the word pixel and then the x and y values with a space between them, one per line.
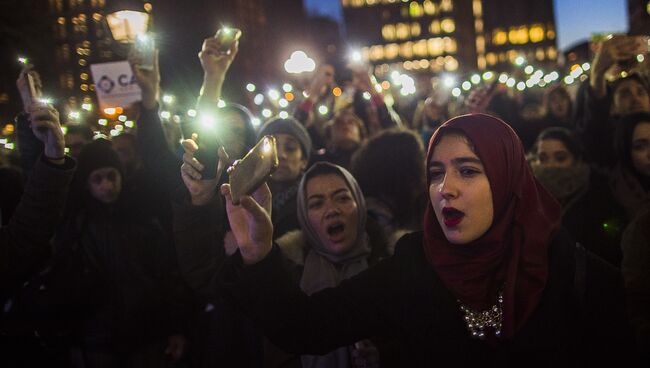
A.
pixel 495 229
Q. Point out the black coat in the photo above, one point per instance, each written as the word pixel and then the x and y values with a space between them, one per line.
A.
pixel 403 299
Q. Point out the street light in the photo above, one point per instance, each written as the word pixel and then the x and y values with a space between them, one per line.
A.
pixel 126 20
pixel 299 62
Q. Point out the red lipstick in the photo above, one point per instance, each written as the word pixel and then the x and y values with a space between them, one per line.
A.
pixel 452 217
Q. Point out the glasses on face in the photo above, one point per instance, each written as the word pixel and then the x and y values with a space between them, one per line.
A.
pixel 98 178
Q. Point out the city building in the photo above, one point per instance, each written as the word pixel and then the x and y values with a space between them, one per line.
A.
pixel 639 14
pixel 451 35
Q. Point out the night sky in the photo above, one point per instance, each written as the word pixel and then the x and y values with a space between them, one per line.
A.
pixel 576 19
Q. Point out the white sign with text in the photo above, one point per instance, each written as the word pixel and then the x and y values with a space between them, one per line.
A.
pixel 115 84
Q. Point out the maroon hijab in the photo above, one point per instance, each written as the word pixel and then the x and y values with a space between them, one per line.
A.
pixel 513 253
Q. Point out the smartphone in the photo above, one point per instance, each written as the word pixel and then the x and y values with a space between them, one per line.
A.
pixel 145 45
pixel 31 80
pixel 227 37
pixel 208 152
pixel 254 169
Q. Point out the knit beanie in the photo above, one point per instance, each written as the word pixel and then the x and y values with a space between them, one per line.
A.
pixel 96 155
pixel 288 126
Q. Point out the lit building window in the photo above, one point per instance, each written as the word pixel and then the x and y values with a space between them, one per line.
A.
pixel 415 10
pixel 447 25
pixel 69 80
pixel 402 31
pixel 477 8
pixel 499 37
pixel 65 52
pixel 408 65
pixel 97 17
pixel 481 62
pixel 83 76
pixel 429 7
pixel 478 25
pixel 83 87
pixel 446 6
pixel 83 62
pixel 435 46
pixel 420 48
pixel 56 6
pixel 434 27
pixel 424 63
pixel 512 55
pixel 480 44
pixel 518 35
pixel 376 53
pixel 388 32
pixel 491 58
pixel 536 33
pixel 502 57
pixel 451 64
pixel 391 51
pixel 415 29
pixel 551 52
pixel 550 32
pixel 61 21
pixel 449 45
pixel 406 50
pixel 539 53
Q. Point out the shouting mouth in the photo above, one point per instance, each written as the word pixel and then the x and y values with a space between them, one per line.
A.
pixel 452 217
pixel 336 231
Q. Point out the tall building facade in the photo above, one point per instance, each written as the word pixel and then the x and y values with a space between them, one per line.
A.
pixel 451 35
pixel 81 39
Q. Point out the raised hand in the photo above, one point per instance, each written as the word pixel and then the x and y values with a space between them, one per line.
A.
pixel 250 222
pixel 47 128
pixel 201 191
pixel 148 80
pixel 23 87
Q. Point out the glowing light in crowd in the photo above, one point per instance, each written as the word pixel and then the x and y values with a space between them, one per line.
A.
pixel 511 82
pixel 287 87
pixel 267 113
pixel 74 115
pixel 64 130
pixel 23 60
pixel 283 103
pixel 119 127
pixel 488 75
pixel 168 99
pixel 289 96
pixel 355 56
pixel 102 122
pixel 476 79
pixel 47 101
pixel 520 60
pixel 259 99
pixel 408 85
pixel 87 107
pixel 640 58
pixel 305 94
pixel 299 62
pixel 283 115
pixel 250 87
pixel 129 124
pixel 323 110
pixel 165 114
pixel 9 146
pixel 378 88
pixel 456 92
pixel 115 132
pixel 366 96
pixel 337 91
pixel 529 69
pixel 274 94
pixel 256 122
pixel 191 113
pixel 3 140
pixel 521 86
pixel 568 79
pixel 586 66
pixel 126 24
pixel 503 78
pixel 121 118
pixel 207 121
pixel 449 81
pixel 384 85
pixel 466 85
pixel 109 111
pixel 221 104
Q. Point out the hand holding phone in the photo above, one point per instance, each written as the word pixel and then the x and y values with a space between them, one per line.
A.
pixel 226 37
pixel 208 153
pixel 249 173
pixel 145 46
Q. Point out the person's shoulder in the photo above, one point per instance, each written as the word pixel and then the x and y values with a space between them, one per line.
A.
pixel 410 245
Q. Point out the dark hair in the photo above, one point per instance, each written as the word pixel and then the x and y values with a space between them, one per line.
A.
pixel 341 114
pixel 613 86
pixel 247 117
pixel 623 138
pixel 563 135
pixel 80 129
pixel 319 169
pixel 557 90
pixel 390 167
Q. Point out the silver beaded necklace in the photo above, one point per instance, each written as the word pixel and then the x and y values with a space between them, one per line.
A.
pixel 478 321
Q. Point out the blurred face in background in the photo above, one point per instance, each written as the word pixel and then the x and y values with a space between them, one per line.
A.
pixel 345 132
pixel 640 148
pixel 291 159
pixel 105 184
pixel 233 134
pixel 553 153
pixel 125 146
pixel 332 212
pixel 559 105
pixel 630 97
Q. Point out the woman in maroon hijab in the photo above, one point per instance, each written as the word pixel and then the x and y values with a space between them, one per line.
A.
pixel 492 280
